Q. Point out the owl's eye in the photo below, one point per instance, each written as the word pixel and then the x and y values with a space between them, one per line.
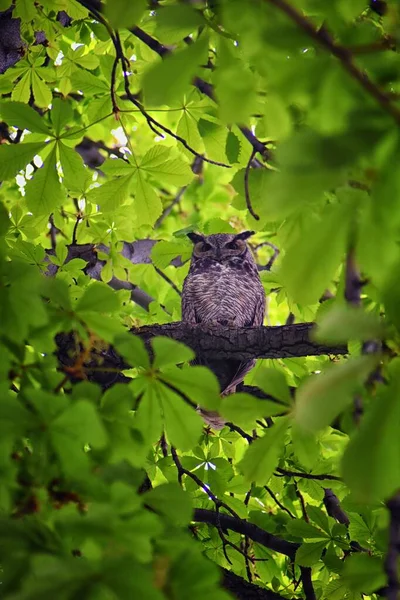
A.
pixel 205 247
pixel 232 245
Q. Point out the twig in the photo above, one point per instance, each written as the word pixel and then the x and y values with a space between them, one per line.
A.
pixel 53 232
pixel 255 533
pixel 182 471
pixel 168 280
pixel 323 38
pixel 167 210
pixel 78 220
pixel 204 87
pixel 246 186
pixel 302 503
pixel 120 57
pixel 300 475
pixel 386 43
pixel 153 123
pixel 273 258
pixel 275 499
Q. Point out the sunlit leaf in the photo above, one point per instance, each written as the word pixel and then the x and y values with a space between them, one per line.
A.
pixel 324 396
pixel 262 456
pixel 44 192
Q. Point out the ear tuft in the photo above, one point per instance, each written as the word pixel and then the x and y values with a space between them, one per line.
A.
pixel 244 235
pixel 195 237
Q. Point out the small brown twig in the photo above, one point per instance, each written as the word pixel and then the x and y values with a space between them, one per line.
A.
pixel 246 186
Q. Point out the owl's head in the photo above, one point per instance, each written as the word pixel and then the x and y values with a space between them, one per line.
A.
pixel 220 246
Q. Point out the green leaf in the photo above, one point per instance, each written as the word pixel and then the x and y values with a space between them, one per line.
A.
pixel 163 253
pixel 182 424
pixel 112 194
pixel 215 139
pixel 371 462
pixel 310 165
pixel 41 91
pixel 15 157
pixel 75 174
pixel 343 323
pixel 273 382
pixel 61 114
pixel 169 352
pixel 147 204
pixel 81 422
pixel 88 83
pixel 4 220
pixel 277 118
pixel 171 501
pixel 175 22
pixel 148 416
pixel 22 91
pixel 262 456
pixel 180 67
pixel 132 349
pixel 103 325
pixel 301 529
pixel 309 554
pixel 305 446
pixel 124 13
pixel 315 256
pixel 324 396
pixel 44 192
pixel 98 297
pixel 244 409
pixel 174 171
pixel 198 383
pixel 364 573
pixel 23 116
pixel 232 148
pixel 25 9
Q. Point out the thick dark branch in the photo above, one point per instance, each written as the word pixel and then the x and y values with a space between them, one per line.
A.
pixel 392 556
pixel 324 39
pixel 333 507
pixel 242 343
pixel 243 590
pixel 252 531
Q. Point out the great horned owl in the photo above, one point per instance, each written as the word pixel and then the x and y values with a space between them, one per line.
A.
pixel 223 286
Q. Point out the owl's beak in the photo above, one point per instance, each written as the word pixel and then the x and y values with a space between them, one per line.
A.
pixel 218 254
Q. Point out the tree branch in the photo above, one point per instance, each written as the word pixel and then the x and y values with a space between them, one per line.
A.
pixel 242 590
pixel 343 54
pixel 242 343
pixel 252 531
pixel 391 561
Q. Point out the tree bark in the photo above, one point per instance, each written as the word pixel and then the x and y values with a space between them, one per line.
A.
pixel 217 342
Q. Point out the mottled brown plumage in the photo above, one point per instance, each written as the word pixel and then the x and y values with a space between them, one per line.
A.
pixel 223 287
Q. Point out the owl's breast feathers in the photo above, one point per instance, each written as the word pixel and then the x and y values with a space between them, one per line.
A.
pixel 228 291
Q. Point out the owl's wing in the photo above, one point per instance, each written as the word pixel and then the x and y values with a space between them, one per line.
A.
pixel 259 310
pixel 188 310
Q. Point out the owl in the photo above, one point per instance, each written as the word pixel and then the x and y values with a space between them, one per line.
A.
pixel 223 287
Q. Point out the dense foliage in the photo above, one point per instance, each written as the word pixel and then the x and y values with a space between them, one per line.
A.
pixel 132 120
